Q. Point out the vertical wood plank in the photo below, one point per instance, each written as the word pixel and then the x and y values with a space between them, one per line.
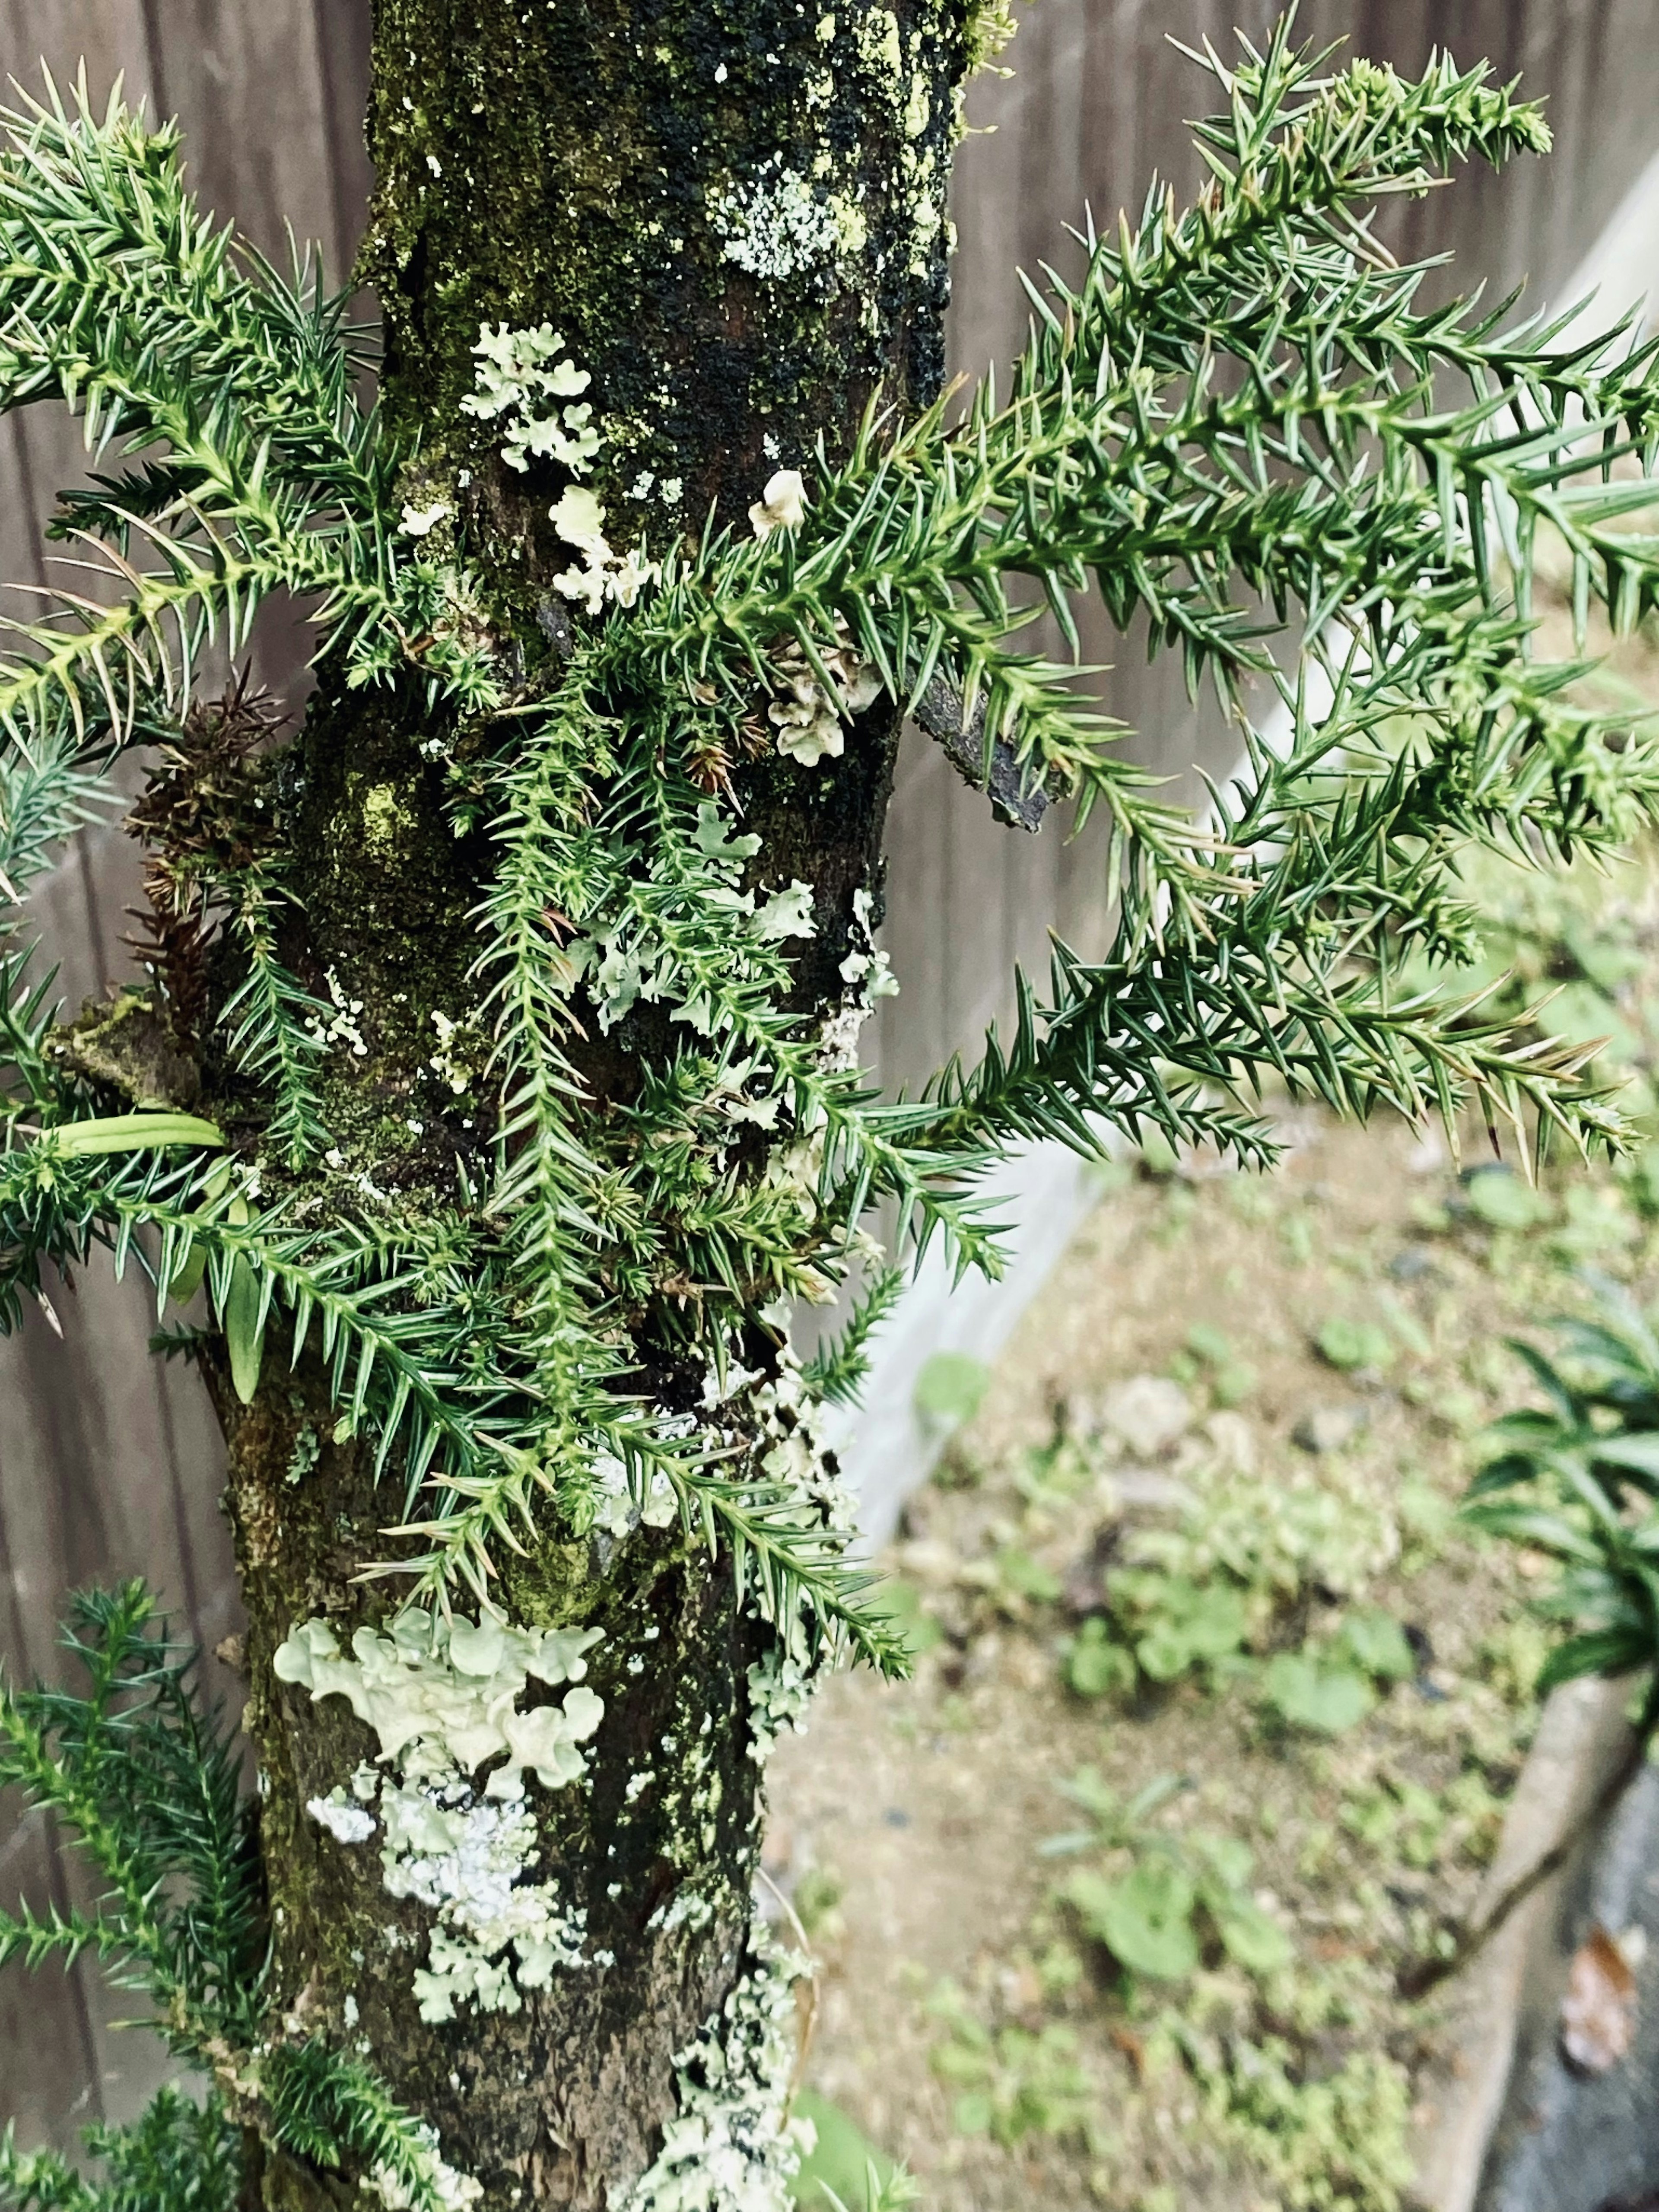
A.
pixel 109 1465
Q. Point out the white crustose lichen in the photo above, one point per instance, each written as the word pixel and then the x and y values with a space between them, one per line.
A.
pixel 782 225
pixel 732 2146
pixel 443 1697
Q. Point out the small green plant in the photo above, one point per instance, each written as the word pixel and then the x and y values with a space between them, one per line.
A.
pixel 894 2193
pixel 1332 1687
pixel 844 2172
pixel 1310 1693
pixel 1011 2082
pixel 1275 1538
pixel 1019 1579
pixel 1502 1200
pixel 1420 1828
pixel 1174 1895
pixel 1356 1344
pixel 1208 1358
pixel 1339 2139
pixel 1378 1645
pixel 1578 1480
pixel 950 1388
pixel 816 1900
pixel 1399 1819
pixel 1198 1595
pixel 1054 1472
pixel 1094 1664
pixel 179 2156
pixel 1176 1625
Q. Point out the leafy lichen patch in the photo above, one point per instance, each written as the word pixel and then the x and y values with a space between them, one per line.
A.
pixel 731 2146
pixel 441 1696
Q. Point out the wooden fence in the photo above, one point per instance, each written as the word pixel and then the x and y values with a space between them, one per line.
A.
pixel 109 1463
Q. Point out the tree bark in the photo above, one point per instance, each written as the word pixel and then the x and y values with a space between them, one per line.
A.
pixel 731 212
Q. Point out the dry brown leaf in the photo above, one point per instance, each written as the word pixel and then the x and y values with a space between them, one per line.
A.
pixel 1598 2014
pixel 1134 2048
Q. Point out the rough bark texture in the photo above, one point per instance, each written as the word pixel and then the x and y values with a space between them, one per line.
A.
pixel 733 211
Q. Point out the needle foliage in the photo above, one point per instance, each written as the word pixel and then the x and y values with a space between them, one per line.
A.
pixel 1241 427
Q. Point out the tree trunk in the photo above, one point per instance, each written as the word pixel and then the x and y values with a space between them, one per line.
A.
pixel 732 217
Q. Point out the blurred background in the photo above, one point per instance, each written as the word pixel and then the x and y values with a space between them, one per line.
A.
pixel 109 1463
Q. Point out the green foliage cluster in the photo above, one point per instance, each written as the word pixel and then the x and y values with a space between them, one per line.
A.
pixel 1207 1359
pixel 1577 1479
pixel 1560 949
pixel 1243 399
pixel 180 2156
pixel 152 1793
pixel 1198 1597
pixel 149 1785
pixel 1418 1827
pixel 1331 1687
pixel 1342 2140
pixel 1011 2082
pixel 1242 402
pixel 1172 1625
pixel 1180 1889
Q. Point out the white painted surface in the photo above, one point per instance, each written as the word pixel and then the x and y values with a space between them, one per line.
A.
pixel 1622 267
pixel 1043 1192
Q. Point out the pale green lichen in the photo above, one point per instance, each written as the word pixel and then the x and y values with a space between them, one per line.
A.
pixel 601 576
pixel 783 225
pixel 732 2146
pixel 461 1053
pixel 443 1697
pixel 525 375
pixel 877 37
pixel 420 522
pixel 623 960
pixel 617 1514
pixel 809 720
pixel 386 819
pixel 787 913
pixel 780 1692
pixel 341 1027
pixel 926 170
pixel 867 965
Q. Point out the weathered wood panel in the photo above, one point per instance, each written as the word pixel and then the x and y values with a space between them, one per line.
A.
pixel 109 1463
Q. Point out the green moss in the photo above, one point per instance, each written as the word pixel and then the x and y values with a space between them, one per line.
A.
pixel 637 147
pixel 387 819
pixel 128 1048
pixel 551 1587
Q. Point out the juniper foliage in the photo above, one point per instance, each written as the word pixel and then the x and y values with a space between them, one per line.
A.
pixel 1241 426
